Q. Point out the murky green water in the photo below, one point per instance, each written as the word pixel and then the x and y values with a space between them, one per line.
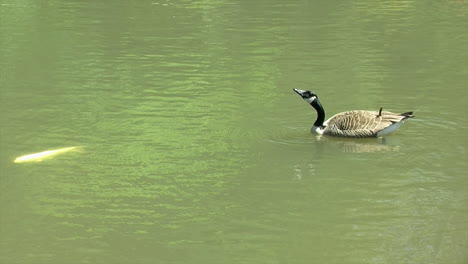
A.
pixel 196 150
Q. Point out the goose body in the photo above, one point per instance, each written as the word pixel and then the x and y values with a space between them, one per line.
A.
pixel 357 123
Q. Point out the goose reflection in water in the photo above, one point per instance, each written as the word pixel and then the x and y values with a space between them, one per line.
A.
pixel 353 146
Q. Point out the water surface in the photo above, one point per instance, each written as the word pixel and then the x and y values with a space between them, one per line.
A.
pixel 196 150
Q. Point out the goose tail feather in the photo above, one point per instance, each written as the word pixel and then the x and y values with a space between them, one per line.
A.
pixel 407 115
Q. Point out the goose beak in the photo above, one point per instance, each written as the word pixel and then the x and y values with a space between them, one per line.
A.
pixel 299 92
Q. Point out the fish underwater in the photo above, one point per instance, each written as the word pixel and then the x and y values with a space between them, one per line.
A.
pixel 40 156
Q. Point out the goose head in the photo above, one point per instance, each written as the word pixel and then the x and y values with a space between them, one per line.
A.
pixel 308 96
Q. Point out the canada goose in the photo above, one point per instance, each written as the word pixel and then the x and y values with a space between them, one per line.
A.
pixel 357 123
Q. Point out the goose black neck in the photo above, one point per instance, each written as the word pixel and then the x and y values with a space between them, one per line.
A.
pixel 320 113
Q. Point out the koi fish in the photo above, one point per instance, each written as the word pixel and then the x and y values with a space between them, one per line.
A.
pixel 40 156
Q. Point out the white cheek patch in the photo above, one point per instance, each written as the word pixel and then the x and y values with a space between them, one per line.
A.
pixel 311 99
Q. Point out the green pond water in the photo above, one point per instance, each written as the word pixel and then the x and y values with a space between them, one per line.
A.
pixel 195 149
